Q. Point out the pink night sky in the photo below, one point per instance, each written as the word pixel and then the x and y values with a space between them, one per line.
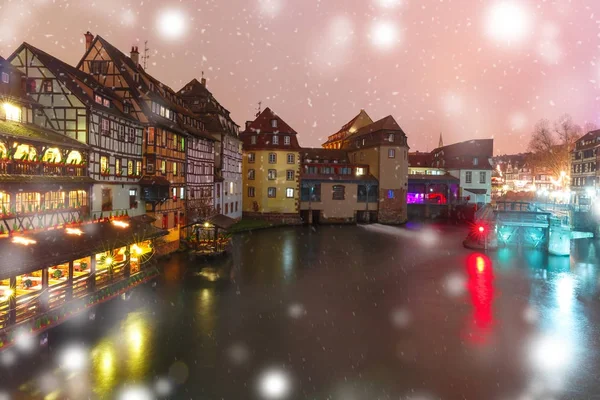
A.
pixel 466 68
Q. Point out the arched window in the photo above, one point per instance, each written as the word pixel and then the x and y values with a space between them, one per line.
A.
pixel 74 157
pixel 52 155
pixel 25 152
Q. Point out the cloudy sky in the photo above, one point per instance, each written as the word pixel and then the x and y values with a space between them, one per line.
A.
pixel 466 68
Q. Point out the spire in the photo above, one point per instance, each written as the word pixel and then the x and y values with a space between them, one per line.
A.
pixel 441 143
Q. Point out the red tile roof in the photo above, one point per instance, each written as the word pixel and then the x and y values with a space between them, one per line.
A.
pixel 262 129
pixel 418 159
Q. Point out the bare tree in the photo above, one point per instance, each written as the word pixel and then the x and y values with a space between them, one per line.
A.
pixel 551 144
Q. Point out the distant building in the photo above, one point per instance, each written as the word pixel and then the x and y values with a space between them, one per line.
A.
pixel 271 168
pixel 428 184
pixel 585 174
pixel 228 147
pixel 420 163
pixel 470 162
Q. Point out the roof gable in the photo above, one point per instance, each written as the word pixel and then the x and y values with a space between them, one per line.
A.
pixel 263 124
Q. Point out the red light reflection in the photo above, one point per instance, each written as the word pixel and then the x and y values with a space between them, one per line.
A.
pixel 481 289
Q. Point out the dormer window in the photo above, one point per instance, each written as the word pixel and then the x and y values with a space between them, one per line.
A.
pixel 273 123
pixel 253 140
pixel 106 103
pixel 286 140
pixel 391 137
pixel 126 108
pixel 98 99
pixel 275 139
pixel 5 77
pixel 475 161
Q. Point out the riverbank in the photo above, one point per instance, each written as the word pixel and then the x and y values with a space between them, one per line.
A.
pixel 250 224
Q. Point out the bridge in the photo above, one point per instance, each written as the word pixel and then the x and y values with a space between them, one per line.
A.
pixel 527 224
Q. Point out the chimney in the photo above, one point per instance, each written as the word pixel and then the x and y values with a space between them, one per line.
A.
pixel 203 82
pixel 135 55
pixel 248 124
pixel 88 40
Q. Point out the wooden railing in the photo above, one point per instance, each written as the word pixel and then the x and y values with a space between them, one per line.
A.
pixel 107 276
pixel 17 167
pixel 81 286
pixel 27 306
pixel 57 294
pixel 4 308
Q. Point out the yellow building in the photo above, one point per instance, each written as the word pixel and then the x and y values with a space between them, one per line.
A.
pixel 271 169
pixel 336 140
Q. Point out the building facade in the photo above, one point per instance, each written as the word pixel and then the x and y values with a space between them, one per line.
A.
pixel 585 175
pixel 271 168
pixel 383 146
pixel 336 140
pixel 172 138
pixel 228 147
pixel 76 105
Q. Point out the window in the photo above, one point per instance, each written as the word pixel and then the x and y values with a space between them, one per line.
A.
pixel 272 192
pixel 98 67
pixel 5 78
pixel 12 113
pixel 231 188
pixel 273 123
pixel 289 193
pixel 174 168
pixel 105 126
pixel 175 141
pixel 360 171
pixel 390 194
pixel 272 174
pixel 251 157
pixel 104 167
pixel 98 99
pixel 132 198
pixel 482 177
pixel 131 135
pixel 150 138
pixel 174 193
pixel 391 137
pixel 345 171
pixel 475 161
pixel 27 201
pixel 47 85
pixel 468 177
pixel 250 191
pixel 163 167
pixel 77 198
pixel 362 156
pixel 118 170
pixel 251 174
pixel 182 193
pixel 275 139
pixel 286 140
pixel 339 192
pixel 126 108
pixel 236 206
pixel 272 158
pixel 226 208
pixel 121 130
pixel 253 140
pixel 107 200
pixel 291 158
pixel 391 153
pixel 130 167
pixel 106 103
pixel 138 168
pixel 290 175
pixel 54 199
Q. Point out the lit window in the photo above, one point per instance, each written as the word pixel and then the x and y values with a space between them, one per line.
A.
pixel 106 103
pixel 163 167
pixel 360 171
pixel 272 174
pixel 98 99
pixel 391 153
pixel 251 157
pixel 273 123
pixel 286 140
pixel 289 193
pixel 138 168
pixel 52 155
pixel 5 77
pixel 12 113
pixel 275 139
pixel 390 194
pixel 130 167
pixel 182 193
pixel 391 137
pixel 25 152
pixel 104 167
pixel 174 168
pixel 231 188
pixel 272 158
pixel 272 192
pixel 118 168
pixel 150 139
pixel 74 157
pixel 47 85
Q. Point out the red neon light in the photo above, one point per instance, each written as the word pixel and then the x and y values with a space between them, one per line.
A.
pixel 481 229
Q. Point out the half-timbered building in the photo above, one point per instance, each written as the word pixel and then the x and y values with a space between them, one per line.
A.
pixel 76 105
pixel 228 148
pixel 173 136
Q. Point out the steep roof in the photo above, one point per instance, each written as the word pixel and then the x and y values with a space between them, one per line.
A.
pixel 73 78
pixel 349 127
pixel 461 155
pixel 262 124
pixel 589 140
pixel 385 123
pixel 418 159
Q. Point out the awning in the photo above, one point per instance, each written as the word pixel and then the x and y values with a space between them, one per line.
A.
pixel 56 247
pixel 477 191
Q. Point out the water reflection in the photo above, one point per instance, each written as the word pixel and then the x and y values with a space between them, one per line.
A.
pixel 481 290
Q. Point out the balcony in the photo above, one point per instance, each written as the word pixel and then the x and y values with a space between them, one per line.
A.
pixel 35 168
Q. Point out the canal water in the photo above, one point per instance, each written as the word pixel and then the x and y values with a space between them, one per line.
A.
pixel 353 312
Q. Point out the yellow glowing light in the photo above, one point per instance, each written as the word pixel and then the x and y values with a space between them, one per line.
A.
pixel 52 155
pixel 108 261
pixel 137 250
pixel 23 241
pixel 120 224
pixel 480 264
pixel 206 224
pixel 7 294
pixel 74 231
pixel 13 113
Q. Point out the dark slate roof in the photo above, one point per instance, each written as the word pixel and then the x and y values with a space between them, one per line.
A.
pixel 418 159
pixel 386 123
pixel 55 247
pixel 412 178
pixel 38 134
pixel 461 155
pixel 319 154
pixel 590 136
